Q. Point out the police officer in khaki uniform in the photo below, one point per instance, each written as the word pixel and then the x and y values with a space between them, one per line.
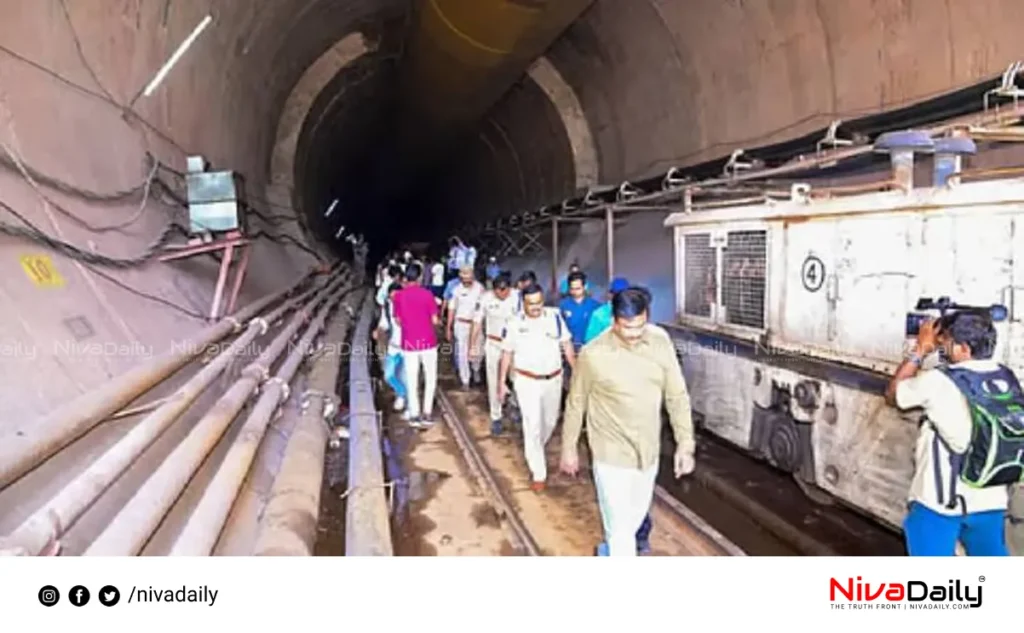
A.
pixel 497 307
pixel 461 311
pixel 535 341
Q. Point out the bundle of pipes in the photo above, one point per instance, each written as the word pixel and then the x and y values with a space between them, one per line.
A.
pixel 41 532
pixel 131 529
pixel 25 449
pixel 207 520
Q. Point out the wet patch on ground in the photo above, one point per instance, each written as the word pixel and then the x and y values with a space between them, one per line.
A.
pixel 485 515
pixel 446 513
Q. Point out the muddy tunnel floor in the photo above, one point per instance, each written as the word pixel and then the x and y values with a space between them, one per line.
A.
pixel 445 512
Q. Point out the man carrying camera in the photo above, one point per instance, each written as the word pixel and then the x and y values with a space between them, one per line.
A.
pixel 960 487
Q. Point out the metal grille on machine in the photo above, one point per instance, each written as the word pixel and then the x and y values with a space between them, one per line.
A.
pixel 701 274
pixel 743 278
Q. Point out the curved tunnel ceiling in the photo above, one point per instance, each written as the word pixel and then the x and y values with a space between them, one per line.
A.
pixel 653 84
pixel 657 83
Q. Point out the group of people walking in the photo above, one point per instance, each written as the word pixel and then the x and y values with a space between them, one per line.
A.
pixel 618 368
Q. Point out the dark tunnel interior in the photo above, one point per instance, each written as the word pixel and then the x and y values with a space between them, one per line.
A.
pixel 400 174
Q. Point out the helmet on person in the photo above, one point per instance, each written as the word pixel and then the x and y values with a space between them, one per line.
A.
pixel 618 285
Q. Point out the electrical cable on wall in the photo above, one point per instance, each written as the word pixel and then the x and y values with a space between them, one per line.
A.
pixel 117 196
pixel 33 177
pixel 91 260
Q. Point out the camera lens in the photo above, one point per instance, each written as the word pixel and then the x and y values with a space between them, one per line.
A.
pixel 913 325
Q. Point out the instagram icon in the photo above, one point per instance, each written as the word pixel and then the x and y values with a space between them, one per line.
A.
pixel 49 596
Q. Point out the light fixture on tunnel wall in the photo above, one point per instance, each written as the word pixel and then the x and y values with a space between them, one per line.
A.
pixel 341 231
pixel 331 208
pixel 175 58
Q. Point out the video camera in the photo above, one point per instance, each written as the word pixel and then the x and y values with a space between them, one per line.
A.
pixel 943 308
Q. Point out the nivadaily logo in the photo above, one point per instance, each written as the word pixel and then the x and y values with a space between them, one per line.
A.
pixel 911 594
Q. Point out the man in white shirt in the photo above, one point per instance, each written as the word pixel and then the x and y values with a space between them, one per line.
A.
pixel 391 275
pixel 943 508
pixel 437 279
pixel 497 306
pixel 535 340
pixel 461 311
pixel 388 325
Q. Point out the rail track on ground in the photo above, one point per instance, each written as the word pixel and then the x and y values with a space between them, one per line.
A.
pixel 685 521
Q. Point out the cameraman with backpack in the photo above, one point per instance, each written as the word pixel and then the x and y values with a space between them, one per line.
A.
pixel 959 491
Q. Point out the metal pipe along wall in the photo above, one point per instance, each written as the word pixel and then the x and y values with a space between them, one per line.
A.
pixel 367 524
pixel 42 530
pixel 204 526
pixel 288 523
pixel 131 529
pixel 22 452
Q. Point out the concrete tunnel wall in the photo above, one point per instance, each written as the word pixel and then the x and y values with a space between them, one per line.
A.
pixel 668 83
pixel 660 83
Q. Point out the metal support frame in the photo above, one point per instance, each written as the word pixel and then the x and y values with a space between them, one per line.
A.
pixel 231 242
pixel 520 242
pixel 554 256
pixel 609 221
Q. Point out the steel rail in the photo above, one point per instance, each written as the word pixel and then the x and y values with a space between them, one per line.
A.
pixel 485 476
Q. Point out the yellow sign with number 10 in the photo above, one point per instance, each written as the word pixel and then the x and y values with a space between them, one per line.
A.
pixel 41 271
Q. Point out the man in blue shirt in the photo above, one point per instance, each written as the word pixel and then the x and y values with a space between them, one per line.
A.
pixel 563 289
pixel 601 319
pixel 577 308
pixel 492 270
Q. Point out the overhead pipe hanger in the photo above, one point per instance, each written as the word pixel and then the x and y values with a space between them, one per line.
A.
pixel 1007 87
pixel 733 166
pixel 626 192
pixel 674 180
pixel 831 139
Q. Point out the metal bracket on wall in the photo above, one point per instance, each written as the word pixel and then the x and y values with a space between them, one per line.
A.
pixel 229 243
pixel 1008 86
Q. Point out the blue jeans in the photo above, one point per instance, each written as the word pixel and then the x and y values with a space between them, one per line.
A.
pixel 643 535
pixel 929 533
pixel 643 538
pixel 393 373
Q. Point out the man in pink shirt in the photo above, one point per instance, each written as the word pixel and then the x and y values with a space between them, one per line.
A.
pixel 416 313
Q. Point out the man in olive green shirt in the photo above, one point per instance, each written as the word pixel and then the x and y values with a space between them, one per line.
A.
pixel 620 381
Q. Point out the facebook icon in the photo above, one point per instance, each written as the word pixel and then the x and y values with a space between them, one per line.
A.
pixel 79 596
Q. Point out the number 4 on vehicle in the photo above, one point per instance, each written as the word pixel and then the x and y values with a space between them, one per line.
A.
pixel 41 271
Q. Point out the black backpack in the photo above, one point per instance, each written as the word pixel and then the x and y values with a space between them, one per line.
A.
pixel 995 455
